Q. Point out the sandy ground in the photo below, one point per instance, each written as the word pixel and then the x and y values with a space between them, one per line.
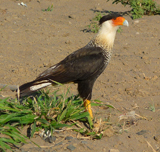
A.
pixel 31 40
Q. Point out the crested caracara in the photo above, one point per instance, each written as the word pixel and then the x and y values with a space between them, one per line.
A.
pixel 82 66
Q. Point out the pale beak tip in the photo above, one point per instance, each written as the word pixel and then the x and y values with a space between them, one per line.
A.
pixel 125 23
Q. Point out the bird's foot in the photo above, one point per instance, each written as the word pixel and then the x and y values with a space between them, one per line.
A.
pixel 87 105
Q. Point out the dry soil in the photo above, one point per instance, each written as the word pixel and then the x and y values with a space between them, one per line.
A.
pixel 31 40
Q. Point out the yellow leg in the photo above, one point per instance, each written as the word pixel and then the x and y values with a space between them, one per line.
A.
pixel 87 105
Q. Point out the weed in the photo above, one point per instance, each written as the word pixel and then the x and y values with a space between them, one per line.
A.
pixel 119 30
pixel 152 108
pixel 98 17
pixel 48 111
pixel 49 9
pixel 94 27
pixel 11 116
pixel 140 7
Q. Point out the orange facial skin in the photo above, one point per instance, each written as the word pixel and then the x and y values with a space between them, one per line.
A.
pixel 118 21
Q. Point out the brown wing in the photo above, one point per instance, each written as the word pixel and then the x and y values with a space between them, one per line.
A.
pixel 85 63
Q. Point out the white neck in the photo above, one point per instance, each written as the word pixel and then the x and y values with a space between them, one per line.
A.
pixel 106 35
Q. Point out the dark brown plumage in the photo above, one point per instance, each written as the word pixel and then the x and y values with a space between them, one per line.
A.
pixel 82 66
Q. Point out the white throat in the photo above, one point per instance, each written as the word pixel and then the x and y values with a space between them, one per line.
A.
pixel 106 35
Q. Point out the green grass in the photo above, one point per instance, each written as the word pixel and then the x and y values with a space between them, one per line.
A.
pixel 48 111
pixel 152 107
pixel 49 9
pixel 94 27
pixel 140 7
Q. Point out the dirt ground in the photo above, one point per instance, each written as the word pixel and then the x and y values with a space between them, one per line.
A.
pixel 31 40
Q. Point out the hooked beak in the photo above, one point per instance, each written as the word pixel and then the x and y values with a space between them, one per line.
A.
pixel 125 23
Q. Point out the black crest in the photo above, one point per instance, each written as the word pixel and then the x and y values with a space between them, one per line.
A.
pixel 109 17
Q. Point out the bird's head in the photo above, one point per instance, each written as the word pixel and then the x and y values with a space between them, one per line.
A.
pixel 113 19
pixel 108 27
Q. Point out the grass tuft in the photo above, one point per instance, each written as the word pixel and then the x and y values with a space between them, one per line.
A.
pixel 49 9
pixel 94 27
pixel 48 111
pixel 140 7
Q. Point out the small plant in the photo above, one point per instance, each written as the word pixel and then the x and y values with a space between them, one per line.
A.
pixel 152 108
pixel 94 27
pixel 119 30
pixel 48 111
pixel 49 9
pixel 98 17
pixel 140 7
pixel 10 116
pixel 11 137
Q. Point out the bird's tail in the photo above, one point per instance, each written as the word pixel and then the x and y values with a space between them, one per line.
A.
pixel 31 87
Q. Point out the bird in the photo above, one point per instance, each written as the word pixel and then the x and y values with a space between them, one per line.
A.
pixel 84 65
